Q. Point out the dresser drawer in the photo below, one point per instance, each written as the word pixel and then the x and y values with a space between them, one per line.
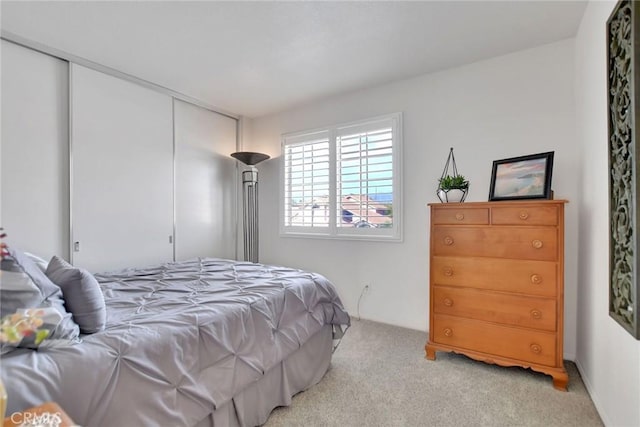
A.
pixel 515 343
pixel 524 215
pixel 460 215
pixel 501 242
pixel 529 312
pixel 508 275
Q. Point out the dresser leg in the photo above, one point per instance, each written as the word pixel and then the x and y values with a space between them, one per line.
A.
pixel 560 381
pixel 431 353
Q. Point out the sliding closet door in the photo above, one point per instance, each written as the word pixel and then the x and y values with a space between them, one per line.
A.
pixel 35 151
pixel 205 183
pixel 122 172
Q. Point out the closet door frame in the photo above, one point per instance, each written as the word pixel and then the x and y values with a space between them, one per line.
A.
pixel 206 180
pixel 35 200
pixel 74 59
pixel 121 172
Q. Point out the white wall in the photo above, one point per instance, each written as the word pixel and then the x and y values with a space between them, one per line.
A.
pixel 608 357
pixel 513 105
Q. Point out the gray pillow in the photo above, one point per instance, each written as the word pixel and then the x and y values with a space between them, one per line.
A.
pixel 25 286
pixel 82 294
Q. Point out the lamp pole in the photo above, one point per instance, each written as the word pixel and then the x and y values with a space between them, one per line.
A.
pixel 250 202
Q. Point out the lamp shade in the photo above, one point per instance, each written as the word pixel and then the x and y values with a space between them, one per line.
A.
pixel 250 158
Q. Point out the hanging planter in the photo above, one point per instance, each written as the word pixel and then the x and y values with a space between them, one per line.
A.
pixel 452 187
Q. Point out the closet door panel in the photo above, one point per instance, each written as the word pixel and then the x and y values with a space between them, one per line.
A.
pixel 205 183
pixel 122 172
pixel 34 151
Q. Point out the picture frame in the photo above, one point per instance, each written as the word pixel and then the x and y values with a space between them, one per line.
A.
pixel 524 177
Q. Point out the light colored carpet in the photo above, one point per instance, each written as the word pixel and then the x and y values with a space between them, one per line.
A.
pixel 379 377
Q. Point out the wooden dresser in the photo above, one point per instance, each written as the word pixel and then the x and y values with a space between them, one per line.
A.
pixel 497 283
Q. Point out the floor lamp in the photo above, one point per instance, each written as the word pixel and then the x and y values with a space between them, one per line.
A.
pixel 250 202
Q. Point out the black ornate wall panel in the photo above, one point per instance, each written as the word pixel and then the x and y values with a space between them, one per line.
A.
pixel 623 66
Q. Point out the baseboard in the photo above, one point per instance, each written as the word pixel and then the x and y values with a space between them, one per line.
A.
pixel 593 395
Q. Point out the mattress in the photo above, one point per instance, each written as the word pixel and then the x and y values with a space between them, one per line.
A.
pixel 182 340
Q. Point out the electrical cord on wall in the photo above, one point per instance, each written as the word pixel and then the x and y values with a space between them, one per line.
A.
pixel 364 291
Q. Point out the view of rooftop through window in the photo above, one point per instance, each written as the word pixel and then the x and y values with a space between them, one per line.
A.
pixel 365 179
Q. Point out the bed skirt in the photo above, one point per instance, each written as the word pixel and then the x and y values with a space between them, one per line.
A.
pixel 302 369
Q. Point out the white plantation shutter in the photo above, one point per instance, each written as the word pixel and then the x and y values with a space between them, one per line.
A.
pixel 306 176
pixel 344 181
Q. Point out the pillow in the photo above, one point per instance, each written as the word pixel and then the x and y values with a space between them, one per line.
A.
pixel 41 263
pixel 82 294
pixel 24 286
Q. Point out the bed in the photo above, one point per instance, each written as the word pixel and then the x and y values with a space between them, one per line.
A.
pixel 204 342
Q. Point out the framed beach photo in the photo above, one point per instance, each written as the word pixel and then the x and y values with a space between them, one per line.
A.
pixel 525 177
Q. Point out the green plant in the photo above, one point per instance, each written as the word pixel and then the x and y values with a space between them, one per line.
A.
pixel 450 182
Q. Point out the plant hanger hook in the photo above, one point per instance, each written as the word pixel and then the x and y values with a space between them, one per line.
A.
pixel 450 160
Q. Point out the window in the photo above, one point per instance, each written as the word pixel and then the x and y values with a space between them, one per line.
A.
pixel 344 181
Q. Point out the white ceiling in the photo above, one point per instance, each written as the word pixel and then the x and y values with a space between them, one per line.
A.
pixel 257 58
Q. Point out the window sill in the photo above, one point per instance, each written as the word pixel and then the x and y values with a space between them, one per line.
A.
pixel 349 237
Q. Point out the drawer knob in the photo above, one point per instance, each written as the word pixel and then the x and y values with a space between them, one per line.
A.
pixel 536 348
pixel 523 215
pixel 536 279
pixel 459 216
pixel 536 314
pixel 448 271
pixel 448 240
pixel 448 302
pixel 448 332
pixel 537 244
